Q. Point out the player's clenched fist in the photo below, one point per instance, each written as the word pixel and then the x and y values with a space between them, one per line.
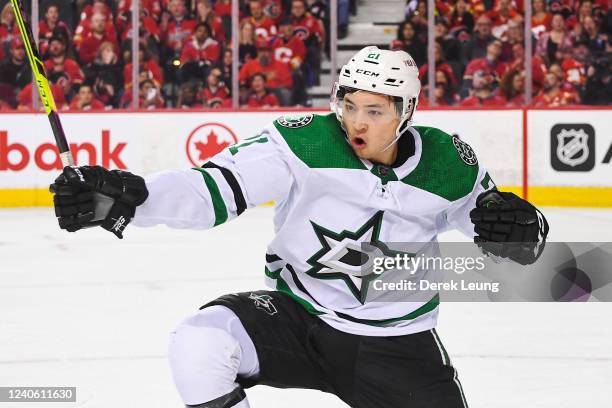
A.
pixel 88 196
pixel 508 226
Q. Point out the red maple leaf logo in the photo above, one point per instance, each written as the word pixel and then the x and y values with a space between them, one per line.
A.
pixel 211 147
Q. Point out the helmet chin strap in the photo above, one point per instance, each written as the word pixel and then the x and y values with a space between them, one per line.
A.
pixel 398 134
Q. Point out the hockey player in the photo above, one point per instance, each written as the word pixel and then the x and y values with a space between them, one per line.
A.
pixel 361 175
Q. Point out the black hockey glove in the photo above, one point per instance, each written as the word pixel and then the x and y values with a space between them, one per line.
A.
pixel 509 227
pixel 88 196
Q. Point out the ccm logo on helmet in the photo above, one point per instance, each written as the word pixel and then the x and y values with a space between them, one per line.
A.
pixel 366 72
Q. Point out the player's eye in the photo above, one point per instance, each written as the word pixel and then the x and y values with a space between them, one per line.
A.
pixel 375 113
pixel 349 108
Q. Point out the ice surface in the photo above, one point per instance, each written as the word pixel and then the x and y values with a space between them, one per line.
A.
pixel 70 315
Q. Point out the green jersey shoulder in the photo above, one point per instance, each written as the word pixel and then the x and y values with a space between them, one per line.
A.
pixel 447 167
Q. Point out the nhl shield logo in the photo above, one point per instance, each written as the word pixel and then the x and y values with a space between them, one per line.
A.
pixel 295 121
pixel 572 147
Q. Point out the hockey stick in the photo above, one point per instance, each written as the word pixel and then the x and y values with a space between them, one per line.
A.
pixel 43 84
pixel 102 202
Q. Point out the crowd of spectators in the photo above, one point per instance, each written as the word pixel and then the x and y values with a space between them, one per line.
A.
pixel 185 53
pixel 480 52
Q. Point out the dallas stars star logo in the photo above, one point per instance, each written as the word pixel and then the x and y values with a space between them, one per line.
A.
pixel 342 255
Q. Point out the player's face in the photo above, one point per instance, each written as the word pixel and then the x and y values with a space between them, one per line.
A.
pixel 370 121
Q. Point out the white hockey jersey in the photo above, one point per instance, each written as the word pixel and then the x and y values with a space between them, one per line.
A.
pixel 328 202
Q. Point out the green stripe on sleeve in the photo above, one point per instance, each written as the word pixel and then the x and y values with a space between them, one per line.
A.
pixel 215 194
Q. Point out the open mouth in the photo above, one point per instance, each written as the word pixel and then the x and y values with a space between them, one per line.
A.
pixel 358 143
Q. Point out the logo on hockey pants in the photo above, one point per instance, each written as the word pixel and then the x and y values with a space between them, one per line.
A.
pixel 264 302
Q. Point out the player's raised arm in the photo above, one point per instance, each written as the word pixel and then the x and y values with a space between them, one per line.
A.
pixel 501 223
pixel 242 176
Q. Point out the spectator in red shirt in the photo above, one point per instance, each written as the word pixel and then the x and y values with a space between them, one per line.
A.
pixel 278 76
pixel 504 11
pixel 97 6
pixel 223 8
pixel 408 41
pixel 541 19
pixel 552 93
pixel 57 61
pixel 491 64
pixel 25 96
pixel 512 87
pixel 215 94
pixel 310 30
pixel 574 64
pixel 176 27
pixel 149 69
pixel 206 14
pixel 560 74
pixel 8 29
pixel 148 30
pixel 51 26
pixel 84 27
pixel 199 54
pixel 84 99
pixel 537 65
pixel 290 49
pixel 264 26
pixel 201 48
pixel 287 47
pixel 482 92
pixel 259 97
pixel 151 8
pixel 95 38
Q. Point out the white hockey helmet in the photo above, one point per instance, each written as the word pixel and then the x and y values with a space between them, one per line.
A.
pixel 392 73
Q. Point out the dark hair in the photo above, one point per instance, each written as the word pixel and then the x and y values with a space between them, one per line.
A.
pixel 507 83
pixel 83 85
pixel 203 24
pixel 400 29
pixel 52 5
pixel 258 74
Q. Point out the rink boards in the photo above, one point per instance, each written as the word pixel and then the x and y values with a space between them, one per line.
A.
pixel 557 157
